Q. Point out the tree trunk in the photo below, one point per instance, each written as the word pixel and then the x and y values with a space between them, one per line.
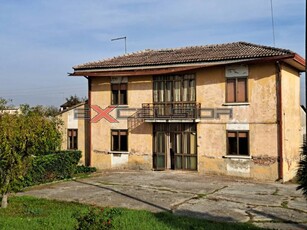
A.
pixel 4 201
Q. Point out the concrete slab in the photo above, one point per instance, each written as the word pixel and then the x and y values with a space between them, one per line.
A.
pixel 219 198
pixel 216 210
pixel 281 226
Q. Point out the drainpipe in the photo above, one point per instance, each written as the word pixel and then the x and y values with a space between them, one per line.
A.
pixel 279 121
pixel 88 117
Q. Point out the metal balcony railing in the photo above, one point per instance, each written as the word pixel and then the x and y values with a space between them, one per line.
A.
pixel 164 111
pixel 175 110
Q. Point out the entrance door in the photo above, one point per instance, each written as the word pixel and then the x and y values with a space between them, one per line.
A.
pixel 160 150
pixel 175 147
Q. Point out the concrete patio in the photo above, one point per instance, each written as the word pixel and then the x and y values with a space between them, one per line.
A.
pixel 268 205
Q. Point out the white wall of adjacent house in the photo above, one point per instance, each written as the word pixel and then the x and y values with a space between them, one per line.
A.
pixel 72 121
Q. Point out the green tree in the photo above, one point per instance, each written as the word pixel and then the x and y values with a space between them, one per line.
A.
pixel 302 170
pixel 22 137
pixel 15 141
pixel 46 111
pixel 4 104
pixel 73 100
pixel 47 129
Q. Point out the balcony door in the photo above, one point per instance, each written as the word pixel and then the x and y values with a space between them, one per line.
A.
pixel 175 146
pixel 171 92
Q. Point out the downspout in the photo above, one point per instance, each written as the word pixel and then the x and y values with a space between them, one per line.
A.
pixel 89 116
pixel 279 121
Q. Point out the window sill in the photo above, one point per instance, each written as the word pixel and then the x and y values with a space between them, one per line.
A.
pixel 118 152
pixel 235 103
pixel 237 157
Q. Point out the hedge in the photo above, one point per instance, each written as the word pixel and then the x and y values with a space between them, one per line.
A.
pixel 51 167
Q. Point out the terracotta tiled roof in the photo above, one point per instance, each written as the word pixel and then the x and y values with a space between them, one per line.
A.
pixel 187 55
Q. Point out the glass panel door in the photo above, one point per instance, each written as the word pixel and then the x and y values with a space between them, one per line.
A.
pixel 175 146
pixel 159 151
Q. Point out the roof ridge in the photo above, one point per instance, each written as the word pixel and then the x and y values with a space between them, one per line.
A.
pixel 266 47
pixel 197 46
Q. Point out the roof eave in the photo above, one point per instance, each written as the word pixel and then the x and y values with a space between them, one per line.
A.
pixel 292 59
pixel 154 69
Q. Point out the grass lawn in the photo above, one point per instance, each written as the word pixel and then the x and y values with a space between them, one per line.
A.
pixel 33 213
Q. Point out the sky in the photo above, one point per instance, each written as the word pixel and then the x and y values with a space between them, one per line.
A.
pixel 41 40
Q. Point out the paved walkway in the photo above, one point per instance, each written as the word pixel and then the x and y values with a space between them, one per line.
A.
pixel 268 205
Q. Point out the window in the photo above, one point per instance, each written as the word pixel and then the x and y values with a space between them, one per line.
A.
pixel 236 90
pixel 119 94
pixel 72 139
pixel 174 88
pixel 119 140
pixel 237 143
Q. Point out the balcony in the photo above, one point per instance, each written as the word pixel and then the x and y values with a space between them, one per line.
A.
pixel 165 112
pixel 174 111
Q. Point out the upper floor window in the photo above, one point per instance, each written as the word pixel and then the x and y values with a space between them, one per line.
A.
pixel 72 139
pixel 236 90
pixel 119 87
pixel 174 88
pixel 236 83
pixel 119 94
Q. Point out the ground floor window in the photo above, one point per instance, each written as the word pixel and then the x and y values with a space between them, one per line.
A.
pixel 72 139
pixel 119 140
pixel 175 146
pixel 237 143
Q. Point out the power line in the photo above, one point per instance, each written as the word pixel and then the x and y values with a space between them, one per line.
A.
pixel 272 17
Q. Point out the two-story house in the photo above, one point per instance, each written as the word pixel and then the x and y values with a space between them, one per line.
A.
pixel 230 109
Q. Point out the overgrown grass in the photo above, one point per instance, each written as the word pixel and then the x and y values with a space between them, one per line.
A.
pixel 33 213
pixel 30 213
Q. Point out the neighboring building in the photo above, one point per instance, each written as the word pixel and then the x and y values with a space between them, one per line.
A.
pixel 75 130
pixel 11 111
pixel 65 106
pixel 228 109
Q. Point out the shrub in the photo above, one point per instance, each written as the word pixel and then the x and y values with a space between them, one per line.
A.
pixel 302 170
pixel 56 166
pixel 96 218
pixel 84 169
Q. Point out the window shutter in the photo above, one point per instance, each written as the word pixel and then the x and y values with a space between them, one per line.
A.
pixel 241 90
pixel 231 134
pixel 241 134
pixel 230 90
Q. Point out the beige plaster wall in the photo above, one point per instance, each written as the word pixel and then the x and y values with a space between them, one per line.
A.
pixel 290 120
pixel 63 129
pixel 211 93
pixel 259 114
pixel 139 139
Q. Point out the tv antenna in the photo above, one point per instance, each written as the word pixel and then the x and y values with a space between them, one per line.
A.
pixel 121 38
